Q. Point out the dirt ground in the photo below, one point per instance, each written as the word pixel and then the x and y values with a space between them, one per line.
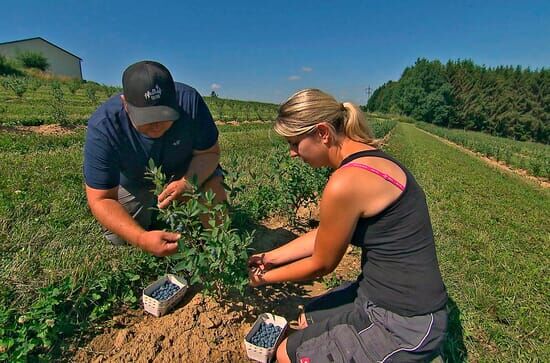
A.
pixel 53 129
pixel 202 329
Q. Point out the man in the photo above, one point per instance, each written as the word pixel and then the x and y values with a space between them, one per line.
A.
pixel 154 118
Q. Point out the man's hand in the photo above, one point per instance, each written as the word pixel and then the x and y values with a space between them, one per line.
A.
pixel 173 191
pixel 159 243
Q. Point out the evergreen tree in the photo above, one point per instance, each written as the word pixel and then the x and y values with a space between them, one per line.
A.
pixel 505 101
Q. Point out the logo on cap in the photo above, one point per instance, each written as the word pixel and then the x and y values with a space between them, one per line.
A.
pixel 153 94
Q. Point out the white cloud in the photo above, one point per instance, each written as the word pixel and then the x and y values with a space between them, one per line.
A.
pixel 293 78
pixel 307 69
pixel 215 86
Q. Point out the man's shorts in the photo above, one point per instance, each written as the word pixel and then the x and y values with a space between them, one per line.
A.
pixel 340 329
pixel 138 202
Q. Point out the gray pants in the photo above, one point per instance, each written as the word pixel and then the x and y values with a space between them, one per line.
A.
pixel 138 203
pixel 340 329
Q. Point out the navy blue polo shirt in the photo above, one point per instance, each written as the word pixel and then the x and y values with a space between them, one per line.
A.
pixel 115 153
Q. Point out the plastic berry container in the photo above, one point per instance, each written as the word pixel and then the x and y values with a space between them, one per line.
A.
pixel 158 307
pixel 258 353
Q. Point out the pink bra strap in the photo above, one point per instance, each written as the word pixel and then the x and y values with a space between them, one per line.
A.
pixel 377 172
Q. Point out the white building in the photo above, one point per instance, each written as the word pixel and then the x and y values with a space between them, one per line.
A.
pixel 61 62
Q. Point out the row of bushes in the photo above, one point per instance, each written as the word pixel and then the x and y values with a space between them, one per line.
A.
pixel 57 104
pixel 529 156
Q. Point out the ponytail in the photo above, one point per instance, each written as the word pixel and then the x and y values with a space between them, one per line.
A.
pixel 356 126
pixel 305 109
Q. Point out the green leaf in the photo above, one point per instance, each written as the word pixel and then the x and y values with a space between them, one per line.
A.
pixel 96 296
pixel 195 279
pixel 184 265
pixel 176 257
pixel 133 277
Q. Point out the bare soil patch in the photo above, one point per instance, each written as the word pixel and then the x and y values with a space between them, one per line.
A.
pixel 239 123
pixel 202 329
pixel 50 129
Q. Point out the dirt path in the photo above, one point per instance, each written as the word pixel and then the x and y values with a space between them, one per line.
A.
pixel 543 182
pixel 202 329
pixel 49 129
pixel 58 130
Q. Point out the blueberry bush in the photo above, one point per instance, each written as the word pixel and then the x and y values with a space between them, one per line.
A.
pixel 210 251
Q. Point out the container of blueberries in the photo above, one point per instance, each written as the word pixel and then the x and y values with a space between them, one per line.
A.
pixel 163 294
pixel 264 337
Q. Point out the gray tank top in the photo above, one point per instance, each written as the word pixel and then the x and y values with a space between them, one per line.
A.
pixel 400 271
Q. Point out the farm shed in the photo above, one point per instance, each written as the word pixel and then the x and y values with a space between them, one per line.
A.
pixel 62 62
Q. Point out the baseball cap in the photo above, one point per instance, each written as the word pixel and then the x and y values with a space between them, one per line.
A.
pixel 150 93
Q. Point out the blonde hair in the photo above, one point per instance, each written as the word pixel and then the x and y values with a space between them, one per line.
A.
pixel 305 109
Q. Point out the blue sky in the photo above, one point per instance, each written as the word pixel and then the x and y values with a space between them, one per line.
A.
pixel 265 51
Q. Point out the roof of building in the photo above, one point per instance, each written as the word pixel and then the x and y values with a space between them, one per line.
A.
pixel 24 40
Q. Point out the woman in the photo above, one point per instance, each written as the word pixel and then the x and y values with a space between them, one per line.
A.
pixel 395 310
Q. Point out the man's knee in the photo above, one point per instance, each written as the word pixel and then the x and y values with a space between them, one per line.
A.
pixel 114 239
pixel 215 184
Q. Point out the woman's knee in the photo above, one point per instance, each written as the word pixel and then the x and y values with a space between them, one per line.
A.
pixel 302 321
pixel 282 355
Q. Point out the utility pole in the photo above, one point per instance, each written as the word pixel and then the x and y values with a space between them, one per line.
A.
pixel 368 91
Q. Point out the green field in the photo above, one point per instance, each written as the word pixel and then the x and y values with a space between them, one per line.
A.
pixel 50 241
pixel 493 241
pixel 37 102
pixel 531 156
pixel 491 232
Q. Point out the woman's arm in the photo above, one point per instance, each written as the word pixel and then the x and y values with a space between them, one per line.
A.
pixel 294 250
pixel 339 212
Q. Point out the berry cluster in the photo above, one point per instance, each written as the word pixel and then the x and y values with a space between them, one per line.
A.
pixel 165 291
pixel 266 335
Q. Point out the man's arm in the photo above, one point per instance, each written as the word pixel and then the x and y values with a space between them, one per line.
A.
pixel 112 215
pixel 202 165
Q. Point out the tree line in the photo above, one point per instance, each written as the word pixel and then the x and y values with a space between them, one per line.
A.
pixel 504 101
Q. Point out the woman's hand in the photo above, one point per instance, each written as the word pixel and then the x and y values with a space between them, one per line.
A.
pixel 173 191
pixel 260 262
pixel 258 265
pixel 256 277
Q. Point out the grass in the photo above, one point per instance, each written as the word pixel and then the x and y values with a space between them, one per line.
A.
pixel 492 236
pixel 60 274
pixel 491 232
pixel 531 156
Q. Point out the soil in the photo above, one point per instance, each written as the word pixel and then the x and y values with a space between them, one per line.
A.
pixel 239 123
pixel 58 130
pixel 202 329
pixel 50 129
